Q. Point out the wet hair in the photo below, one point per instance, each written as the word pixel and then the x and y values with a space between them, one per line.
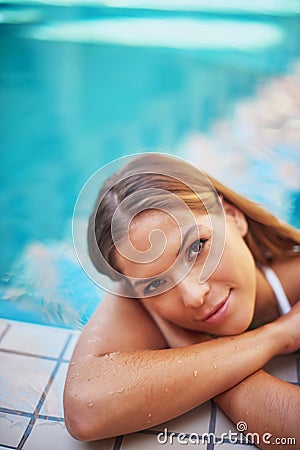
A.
pixel 267 238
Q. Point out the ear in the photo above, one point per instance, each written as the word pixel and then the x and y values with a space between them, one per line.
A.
pixel 238 217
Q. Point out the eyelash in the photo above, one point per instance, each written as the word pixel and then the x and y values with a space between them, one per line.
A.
pixel 148 287
pixel 202 243
pixel 161 282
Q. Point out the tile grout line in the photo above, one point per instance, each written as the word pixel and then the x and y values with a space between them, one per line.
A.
pixel 212 424
pixel 35 414
pixel 8 447
pixel 34 355
pixel 51 418
pixel 8 326
pixel 15 412
pixel 118 443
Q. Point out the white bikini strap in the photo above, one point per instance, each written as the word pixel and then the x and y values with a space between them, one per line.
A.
pixel 282 300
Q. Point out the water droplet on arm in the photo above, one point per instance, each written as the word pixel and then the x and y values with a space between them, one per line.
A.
pixel 120 390
pixel 73 376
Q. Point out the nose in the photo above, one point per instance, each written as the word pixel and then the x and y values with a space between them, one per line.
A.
pixel 192 293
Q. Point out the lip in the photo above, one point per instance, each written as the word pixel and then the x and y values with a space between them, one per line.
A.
pixel 218 313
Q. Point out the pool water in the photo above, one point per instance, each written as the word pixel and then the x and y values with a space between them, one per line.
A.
pixel 82 86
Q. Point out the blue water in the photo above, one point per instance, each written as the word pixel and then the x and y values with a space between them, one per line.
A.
pixel 73 99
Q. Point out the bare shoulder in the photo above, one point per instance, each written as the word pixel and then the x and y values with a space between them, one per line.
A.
pixel 119 324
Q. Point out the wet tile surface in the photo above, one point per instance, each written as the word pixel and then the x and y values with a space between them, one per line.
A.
pixel 71 345
pixel 53 435
pixel 36 340
pixel 12 428
pixel 140 441
pixel 3 326
pixel 53 405
pixel 23 380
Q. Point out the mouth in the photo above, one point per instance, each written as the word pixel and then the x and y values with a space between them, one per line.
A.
pixel 218 313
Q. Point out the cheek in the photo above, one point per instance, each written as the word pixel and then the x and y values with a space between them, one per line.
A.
pixel 237 269
pixel 237 261
pixel 166 306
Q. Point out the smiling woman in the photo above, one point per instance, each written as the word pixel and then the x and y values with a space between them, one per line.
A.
pixel 187 258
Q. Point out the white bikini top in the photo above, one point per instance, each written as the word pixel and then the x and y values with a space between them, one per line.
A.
pixel 282 300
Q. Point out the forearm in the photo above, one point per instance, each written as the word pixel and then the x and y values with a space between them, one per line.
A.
pixel 128 391
pixel 267 405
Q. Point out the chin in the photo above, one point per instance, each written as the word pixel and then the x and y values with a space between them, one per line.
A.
pixel 238 328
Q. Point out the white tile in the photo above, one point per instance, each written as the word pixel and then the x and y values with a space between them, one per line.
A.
pixel 3 325
pixel 23 380
pixel 12 428
pixel 223 424
pixel 52 435
pixel 53 405
pixel 138 441
pixel 283 367
pixel 35 339
pixel 194 421
pixel 230 446
pixel 69 350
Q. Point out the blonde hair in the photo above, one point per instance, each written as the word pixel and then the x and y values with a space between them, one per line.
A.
pixel 267 238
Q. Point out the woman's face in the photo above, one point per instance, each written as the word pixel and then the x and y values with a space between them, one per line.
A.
pixel 221 305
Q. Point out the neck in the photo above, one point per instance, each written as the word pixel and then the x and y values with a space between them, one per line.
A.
pixel 266 309
pixel 287 270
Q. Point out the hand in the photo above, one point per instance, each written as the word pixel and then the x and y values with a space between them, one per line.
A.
pixel 290 326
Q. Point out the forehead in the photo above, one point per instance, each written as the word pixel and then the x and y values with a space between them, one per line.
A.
pixel 153 242
pixel 143 228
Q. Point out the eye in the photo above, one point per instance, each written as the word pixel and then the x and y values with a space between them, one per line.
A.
pixel 195 248
pixel 153 286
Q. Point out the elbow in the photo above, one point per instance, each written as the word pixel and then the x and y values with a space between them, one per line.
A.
pixel 80 423
pixel 77 427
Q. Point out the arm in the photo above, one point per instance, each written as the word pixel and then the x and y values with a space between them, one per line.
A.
pixel 142 384
pixel 267 405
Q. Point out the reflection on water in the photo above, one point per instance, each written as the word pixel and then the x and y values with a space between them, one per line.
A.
pixel 259 147
pixel 171 33
pixel 48 282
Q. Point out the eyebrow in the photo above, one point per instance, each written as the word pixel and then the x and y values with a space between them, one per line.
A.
pixel 185 238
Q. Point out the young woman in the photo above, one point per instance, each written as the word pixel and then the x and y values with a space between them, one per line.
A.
pixel 201 279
